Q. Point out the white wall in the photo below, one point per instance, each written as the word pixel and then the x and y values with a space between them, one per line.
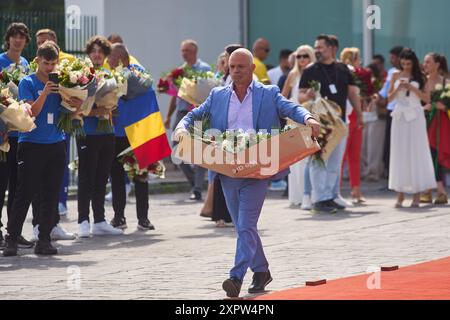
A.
pixel 152 30
pixel 91 8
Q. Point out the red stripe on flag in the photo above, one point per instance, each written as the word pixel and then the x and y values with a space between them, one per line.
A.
pixel 152 151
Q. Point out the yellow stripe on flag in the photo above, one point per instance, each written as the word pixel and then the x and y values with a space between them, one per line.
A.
pixel 145 130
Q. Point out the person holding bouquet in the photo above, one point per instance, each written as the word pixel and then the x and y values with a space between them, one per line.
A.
pixel 58 232
pixel 363 78
pixel 41 154
pixel 17 38
pixel 43 35
pixel 336 84
pixel 138 86
pixel 95 157
pixel 436 68
pixel 411 166
pixel 196 175
pixel 249 106
pixel 116 38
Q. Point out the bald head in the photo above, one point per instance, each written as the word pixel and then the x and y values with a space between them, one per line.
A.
pixel 241 67
pixel 243 53
pixel 119 54
pixel 261 48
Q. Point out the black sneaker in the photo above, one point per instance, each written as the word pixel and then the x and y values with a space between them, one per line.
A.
pixel 323 207
pixel 45 248
pixel 196 196
pixel 332 203
pixel 145 225
pixel 120 223
pixel 10 249
pixel 24 243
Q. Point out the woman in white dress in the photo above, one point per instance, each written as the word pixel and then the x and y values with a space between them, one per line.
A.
pixel 299 185
pixel 411 167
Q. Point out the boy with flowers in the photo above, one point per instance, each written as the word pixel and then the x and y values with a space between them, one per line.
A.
pixel 95 154
pixel 128 105
pixel 41 154
pixel 17 38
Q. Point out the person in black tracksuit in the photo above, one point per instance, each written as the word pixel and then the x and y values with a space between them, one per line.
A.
pixel 17 38
pixel 95 156
pixel 120 54
pixel 41 154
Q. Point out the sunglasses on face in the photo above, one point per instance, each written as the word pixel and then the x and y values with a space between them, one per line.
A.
pixel 304 56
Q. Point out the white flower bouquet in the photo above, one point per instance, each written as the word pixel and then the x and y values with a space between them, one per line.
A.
pixel 196 87
pixel 76 79
pixel 112 86
pixel 11 77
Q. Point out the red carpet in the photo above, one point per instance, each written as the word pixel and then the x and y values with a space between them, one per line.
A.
pixel 426 281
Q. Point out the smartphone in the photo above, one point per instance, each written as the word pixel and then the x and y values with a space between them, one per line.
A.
pixel 53 77
pixel 405 80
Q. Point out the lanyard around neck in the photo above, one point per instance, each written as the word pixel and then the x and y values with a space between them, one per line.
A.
pixel 327 76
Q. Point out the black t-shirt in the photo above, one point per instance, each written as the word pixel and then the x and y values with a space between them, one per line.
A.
pixel 282 81
pixel 337 74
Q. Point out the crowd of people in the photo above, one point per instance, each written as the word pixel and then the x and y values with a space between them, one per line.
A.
pixel 394 130
pixel 36 169
pixel 375 148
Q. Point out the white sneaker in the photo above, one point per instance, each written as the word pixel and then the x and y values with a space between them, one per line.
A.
pixel 108 197
pixel 62 209
pixel 35 236
pixel 58 233
pixel 104 228
pixel 84 229
pixel 342 202
pixel 306 203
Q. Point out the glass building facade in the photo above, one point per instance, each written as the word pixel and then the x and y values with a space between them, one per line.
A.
pixel 422 25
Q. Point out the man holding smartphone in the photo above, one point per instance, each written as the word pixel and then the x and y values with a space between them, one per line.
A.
pixel 53 77
pixel 58 233
pixel 41 154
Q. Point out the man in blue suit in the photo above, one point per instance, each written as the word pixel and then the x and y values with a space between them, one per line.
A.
pixel 248 105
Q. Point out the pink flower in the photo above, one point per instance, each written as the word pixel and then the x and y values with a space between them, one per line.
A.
pixel 84 80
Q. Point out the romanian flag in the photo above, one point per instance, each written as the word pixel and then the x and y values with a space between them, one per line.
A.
pixel 145 129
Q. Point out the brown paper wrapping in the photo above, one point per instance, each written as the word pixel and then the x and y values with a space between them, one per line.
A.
pixel 294 145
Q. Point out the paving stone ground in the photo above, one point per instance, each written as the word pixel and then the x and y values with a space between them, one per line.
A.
pixel 187 257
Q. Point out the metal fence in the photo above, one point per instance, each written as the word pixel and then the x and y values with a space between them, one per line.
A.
pixel 71 40
pixel 76 38
pixel 34 20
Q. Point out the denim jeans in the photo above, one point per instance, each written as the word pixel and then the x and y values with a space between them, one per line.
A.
pixel 307 187
pixel 245 199
pixel 325 179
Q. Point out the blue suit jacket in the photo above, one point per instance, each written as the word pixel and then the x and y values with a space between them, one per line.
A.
pixel 269 106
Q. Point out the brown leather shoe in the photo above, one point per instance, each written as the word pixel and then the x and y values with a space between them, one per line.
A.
pixel 260 281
